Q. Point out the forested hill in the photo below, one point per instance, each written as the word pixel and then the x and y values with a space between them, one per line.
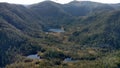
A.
pixel 98 30
pixel 74 8
pixel 89 27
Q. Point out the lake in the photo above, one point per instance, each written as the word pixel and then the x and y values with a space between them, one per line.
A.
pixel 33 56
pixel 56 30
pixel 69 60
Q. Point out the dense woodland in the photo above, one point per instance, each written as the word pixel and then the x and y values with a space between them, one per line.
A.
pixel 91 37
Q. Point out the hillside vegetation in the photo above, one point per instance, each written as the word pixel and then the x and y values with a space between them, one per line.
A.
pixel 91 38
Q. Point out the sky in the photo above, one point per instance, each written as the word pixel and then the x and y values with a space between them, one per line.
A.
pixel 27 2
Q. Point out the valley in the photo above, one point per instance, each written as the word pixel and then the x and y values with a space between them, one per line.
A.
pixel 79 34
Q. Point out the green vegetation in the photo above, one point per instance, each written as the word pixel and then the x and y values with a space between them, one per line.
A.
pixel 91 38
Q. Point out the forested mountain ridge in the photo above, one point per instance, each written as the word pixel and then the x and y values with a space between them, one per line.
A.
pixel 54 17
pixel 65 13
pixel 74 8
pixel 91 33
pixel 84 8
pixel 102 30
pixel 19 16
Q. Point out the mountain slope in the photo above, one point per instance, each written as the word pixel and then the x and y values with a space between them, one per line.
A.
pixel 99 30
pixel 9 35
pixel 17 28
pixel 20 17
pixel 51 13
pixel 84 8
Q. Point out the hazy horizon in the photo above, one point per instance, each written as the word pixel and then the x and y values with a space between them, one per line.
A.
pixel 27 2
